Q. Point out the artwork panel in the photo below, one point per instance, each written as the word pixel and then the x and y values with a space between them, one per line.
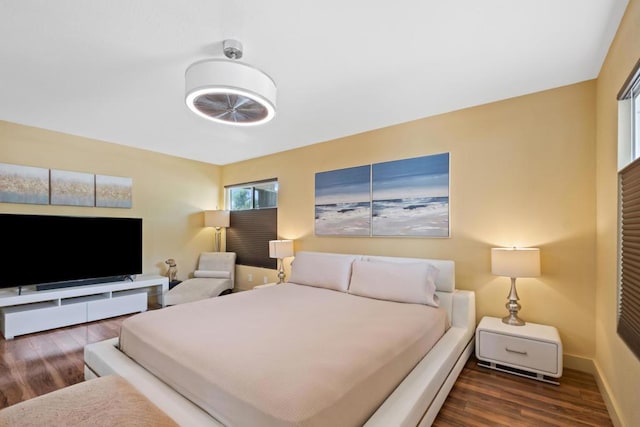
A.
pixel 72 188
pixel 24 184
pixel 411 197
pixel 113 191
pixel 343 202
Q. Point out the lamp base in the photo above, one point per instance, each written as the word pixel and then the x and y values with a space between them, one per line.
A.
pixel 514 320
pixel 217 240
pixel 513 307
pixel 281 271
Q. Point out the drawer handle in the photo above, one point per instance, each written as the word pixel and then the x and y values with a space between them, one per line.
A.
pixel 524 353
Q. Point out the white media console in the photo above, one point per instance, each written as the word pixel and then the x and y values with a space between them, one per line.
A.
pixel 34 311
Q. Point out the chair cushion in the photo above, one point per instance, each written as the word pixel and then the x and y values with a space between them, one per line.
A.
pixel 217 261
pixel 196 289
pixel 212 274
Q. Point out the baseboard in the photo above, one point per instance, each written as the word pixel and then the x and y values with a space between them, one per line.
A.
pixel 579 363
pixel 605 391
pixel 589 366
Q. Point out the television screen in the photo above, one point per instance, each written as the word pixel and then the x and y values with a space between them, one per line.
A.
pixel 68 250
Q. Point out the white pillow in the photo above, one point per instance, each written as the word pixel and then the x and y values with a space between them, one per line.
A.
pixel 400 282
pixel 212 274
pixel 322 270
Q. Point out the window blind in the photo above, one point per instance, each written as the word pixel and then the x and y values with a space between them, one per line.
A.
pixel 629 298
pixel 248 236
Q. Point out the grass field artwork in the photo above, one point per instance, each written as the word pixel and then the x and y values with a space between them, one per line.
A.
pixel 411 197
pixel 113 191
pixel 343 202
pixel 24 184
pixel 72 188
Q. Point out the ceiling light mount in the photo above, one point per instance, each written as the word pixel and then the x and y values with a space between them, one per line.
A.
pixel 230 92
pixel 232 49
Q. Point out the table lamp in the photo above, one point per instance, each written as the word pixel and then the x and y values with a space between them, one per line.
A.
pixel 513 263
pixel 280 249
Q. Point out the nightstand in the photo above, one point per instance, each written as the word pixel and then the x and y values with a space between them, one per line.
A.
pixel 532 350
pixel 266 285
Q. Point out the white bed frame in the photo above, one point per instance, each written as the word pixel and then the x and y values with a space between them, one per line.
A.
pixel 415 402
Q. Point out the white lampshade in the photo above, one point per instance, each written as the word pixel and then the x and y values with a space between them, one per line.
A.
pixel 515 262
pixel 216 219
pixel 280 248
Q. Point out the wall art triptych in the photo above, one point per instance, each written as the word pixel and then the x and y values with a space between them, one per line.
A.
pixel 407 197
pixel 33 185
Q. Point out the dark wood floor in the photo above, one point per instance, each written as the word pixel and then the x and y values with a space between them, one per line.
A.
pixel 35 364
pixel 483 397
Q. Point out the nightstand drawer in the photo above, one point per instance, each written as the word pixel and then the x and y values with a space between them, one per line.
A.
pixel 526 353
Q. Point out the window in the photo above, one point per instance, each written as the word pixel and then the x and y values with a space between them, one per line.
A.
pixel 253 222
pixel 629 212
pixel 257 195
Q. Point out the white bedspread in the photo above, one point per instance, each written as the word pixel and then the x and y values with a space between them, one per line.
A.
pixel 285 355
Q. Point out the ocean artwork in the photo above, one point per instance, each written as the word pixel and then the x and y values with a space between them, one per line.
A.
pixel 411 197
pixel 343 202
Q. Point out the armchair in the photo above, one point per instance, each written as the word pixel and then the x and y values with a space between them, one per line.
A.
pixel 215 276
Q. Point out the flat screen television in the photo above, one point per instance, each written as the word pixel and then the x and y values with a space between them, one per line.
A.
pixel 53 251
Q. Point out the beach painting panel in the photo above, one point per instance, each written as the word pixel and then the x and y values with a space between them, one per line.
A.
pixel 113 191
pixel 411 197
pixel 343 202
pixel 72 188
pixel 24 184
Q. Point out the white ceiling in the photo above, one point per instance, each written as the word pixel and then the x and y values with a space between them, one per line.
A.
pixel 113 70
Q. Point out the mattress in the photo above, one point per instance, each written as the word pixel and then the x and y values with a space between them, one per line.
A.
pixel 287 355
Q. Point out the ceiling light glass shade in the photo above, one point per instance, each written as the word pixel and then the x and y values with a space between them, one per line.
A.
pixel 230 92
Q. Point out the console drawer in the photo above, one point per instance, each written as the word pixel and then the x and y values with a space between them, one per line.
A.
pixel 20 320
pixel 122 303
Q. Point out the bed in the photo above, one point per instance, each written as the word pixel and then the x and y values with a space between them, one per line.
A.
pixel 349 340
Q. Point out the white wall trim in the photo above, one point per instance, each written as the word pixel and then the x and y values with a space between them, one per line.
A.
pixel 579 363
pixel 625 141
pixel 607 396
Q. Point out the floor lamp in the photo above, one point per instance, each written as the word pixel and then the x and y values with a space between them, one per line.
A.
pixel 513 263
pixel 217 220
pixel 280 249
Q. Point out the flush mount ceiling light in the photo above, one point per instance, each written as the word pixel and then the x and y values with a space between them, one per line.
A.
pixel 230 92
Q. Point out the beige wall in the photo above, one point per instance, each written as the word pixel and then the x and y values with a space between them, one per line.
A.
pixel 522 173
pixel 619 368
pixel 169 193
